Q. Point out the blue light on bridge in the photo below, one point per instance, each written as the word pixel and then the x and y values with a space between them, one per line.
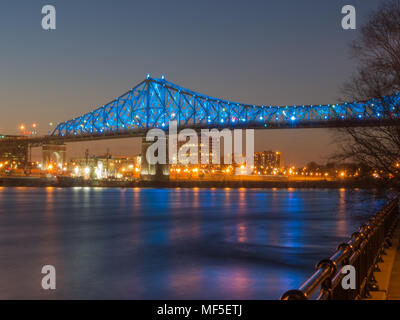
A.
pixel 155 102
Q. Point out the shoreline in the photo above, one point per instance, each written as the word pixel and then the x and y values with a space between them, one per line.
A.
pixel 70 183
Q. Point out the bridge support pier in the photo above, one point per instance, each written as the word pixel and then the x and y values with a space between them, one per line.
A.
pixel 153 172
pixel 48 150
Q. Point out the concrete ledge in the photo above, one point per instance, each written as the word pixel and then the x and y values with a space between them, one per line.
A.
pixel 394 285
pixel 383 277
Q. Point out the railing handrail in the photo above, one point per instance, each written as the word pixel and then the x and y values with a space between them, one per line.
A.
pixel 327 276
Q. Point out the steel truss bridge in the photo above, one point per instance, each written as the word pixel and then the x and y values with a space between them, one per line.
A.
pixel 153 103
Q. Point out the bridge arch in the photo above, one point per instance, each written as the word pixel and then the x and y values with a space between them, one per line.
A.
pixel 49 151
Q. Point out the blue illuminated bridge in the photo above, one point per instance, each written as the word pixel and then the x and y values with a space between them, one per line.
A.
pixel 153 103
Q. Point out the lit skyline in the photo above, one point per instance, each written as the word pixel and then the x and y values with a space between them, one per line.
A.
pixel 257 52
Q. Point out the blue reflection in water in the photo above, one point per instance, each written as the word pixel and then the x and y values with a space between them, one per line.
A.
pixel 170 243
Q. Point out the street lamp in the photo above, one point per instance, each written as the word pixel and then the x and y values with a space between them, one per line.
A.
pixel 34 127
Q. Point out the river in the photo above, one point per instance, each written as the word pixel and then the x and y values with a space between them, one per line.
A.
pixel 145 243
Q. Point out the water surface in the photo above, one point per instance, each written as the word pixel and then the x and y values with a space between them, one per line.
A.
pixel 170 243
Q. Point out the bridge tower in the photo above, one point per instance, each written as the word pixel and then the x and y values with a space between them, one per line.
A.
pixel 153 172
pixel 58 150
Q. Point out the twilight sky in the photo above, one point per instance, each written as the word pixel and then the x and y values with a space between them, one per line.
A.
pixel 258 52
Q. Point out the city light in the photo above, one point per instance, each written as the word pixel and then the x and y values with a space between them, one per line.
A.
pixel 267 165
pixel 98 172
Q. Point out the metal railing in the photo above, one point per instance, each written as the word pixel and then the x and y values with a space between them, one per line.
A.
pixel 363 251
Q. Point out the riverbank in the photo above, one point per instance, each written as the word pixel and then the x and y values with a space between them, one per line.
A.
pixel 242 183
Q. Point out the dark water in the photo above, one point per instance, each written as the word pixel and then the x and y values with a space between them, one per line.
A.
pixel 170 243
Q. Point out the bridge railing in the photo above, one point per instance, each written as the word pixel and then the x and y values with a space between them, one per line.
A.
pixel 363 251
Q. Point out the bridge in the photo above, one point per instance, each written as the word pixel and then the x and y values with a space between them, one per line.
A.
pixel 154 102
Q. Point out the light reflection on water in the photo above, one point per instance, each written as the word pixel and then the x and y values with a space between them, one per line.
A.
pixel 170 243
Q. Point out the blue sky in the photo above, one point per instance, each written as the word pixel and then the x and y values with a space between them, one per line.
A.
pixel 258 52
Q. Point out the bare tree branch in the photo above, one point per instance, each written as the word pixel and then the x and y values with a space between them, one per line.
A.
pixel 377 53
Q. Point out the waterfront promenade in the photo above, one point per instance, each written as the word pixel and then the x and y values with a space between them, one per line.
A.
pixel 394 283
pixel 388 276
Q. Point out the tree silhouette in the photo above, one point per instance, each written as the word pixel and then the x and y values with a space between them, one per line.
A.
pixel 377 52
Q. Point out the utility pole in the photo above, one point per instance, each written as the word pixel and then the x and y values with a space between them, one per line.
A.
pixel 107 157
pixel 87 157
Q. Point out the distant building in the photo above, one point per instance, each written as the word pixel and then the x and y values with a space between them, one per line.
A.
pixel 267 161
pixel 199 154
pixel 13 152
pixel 105 166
